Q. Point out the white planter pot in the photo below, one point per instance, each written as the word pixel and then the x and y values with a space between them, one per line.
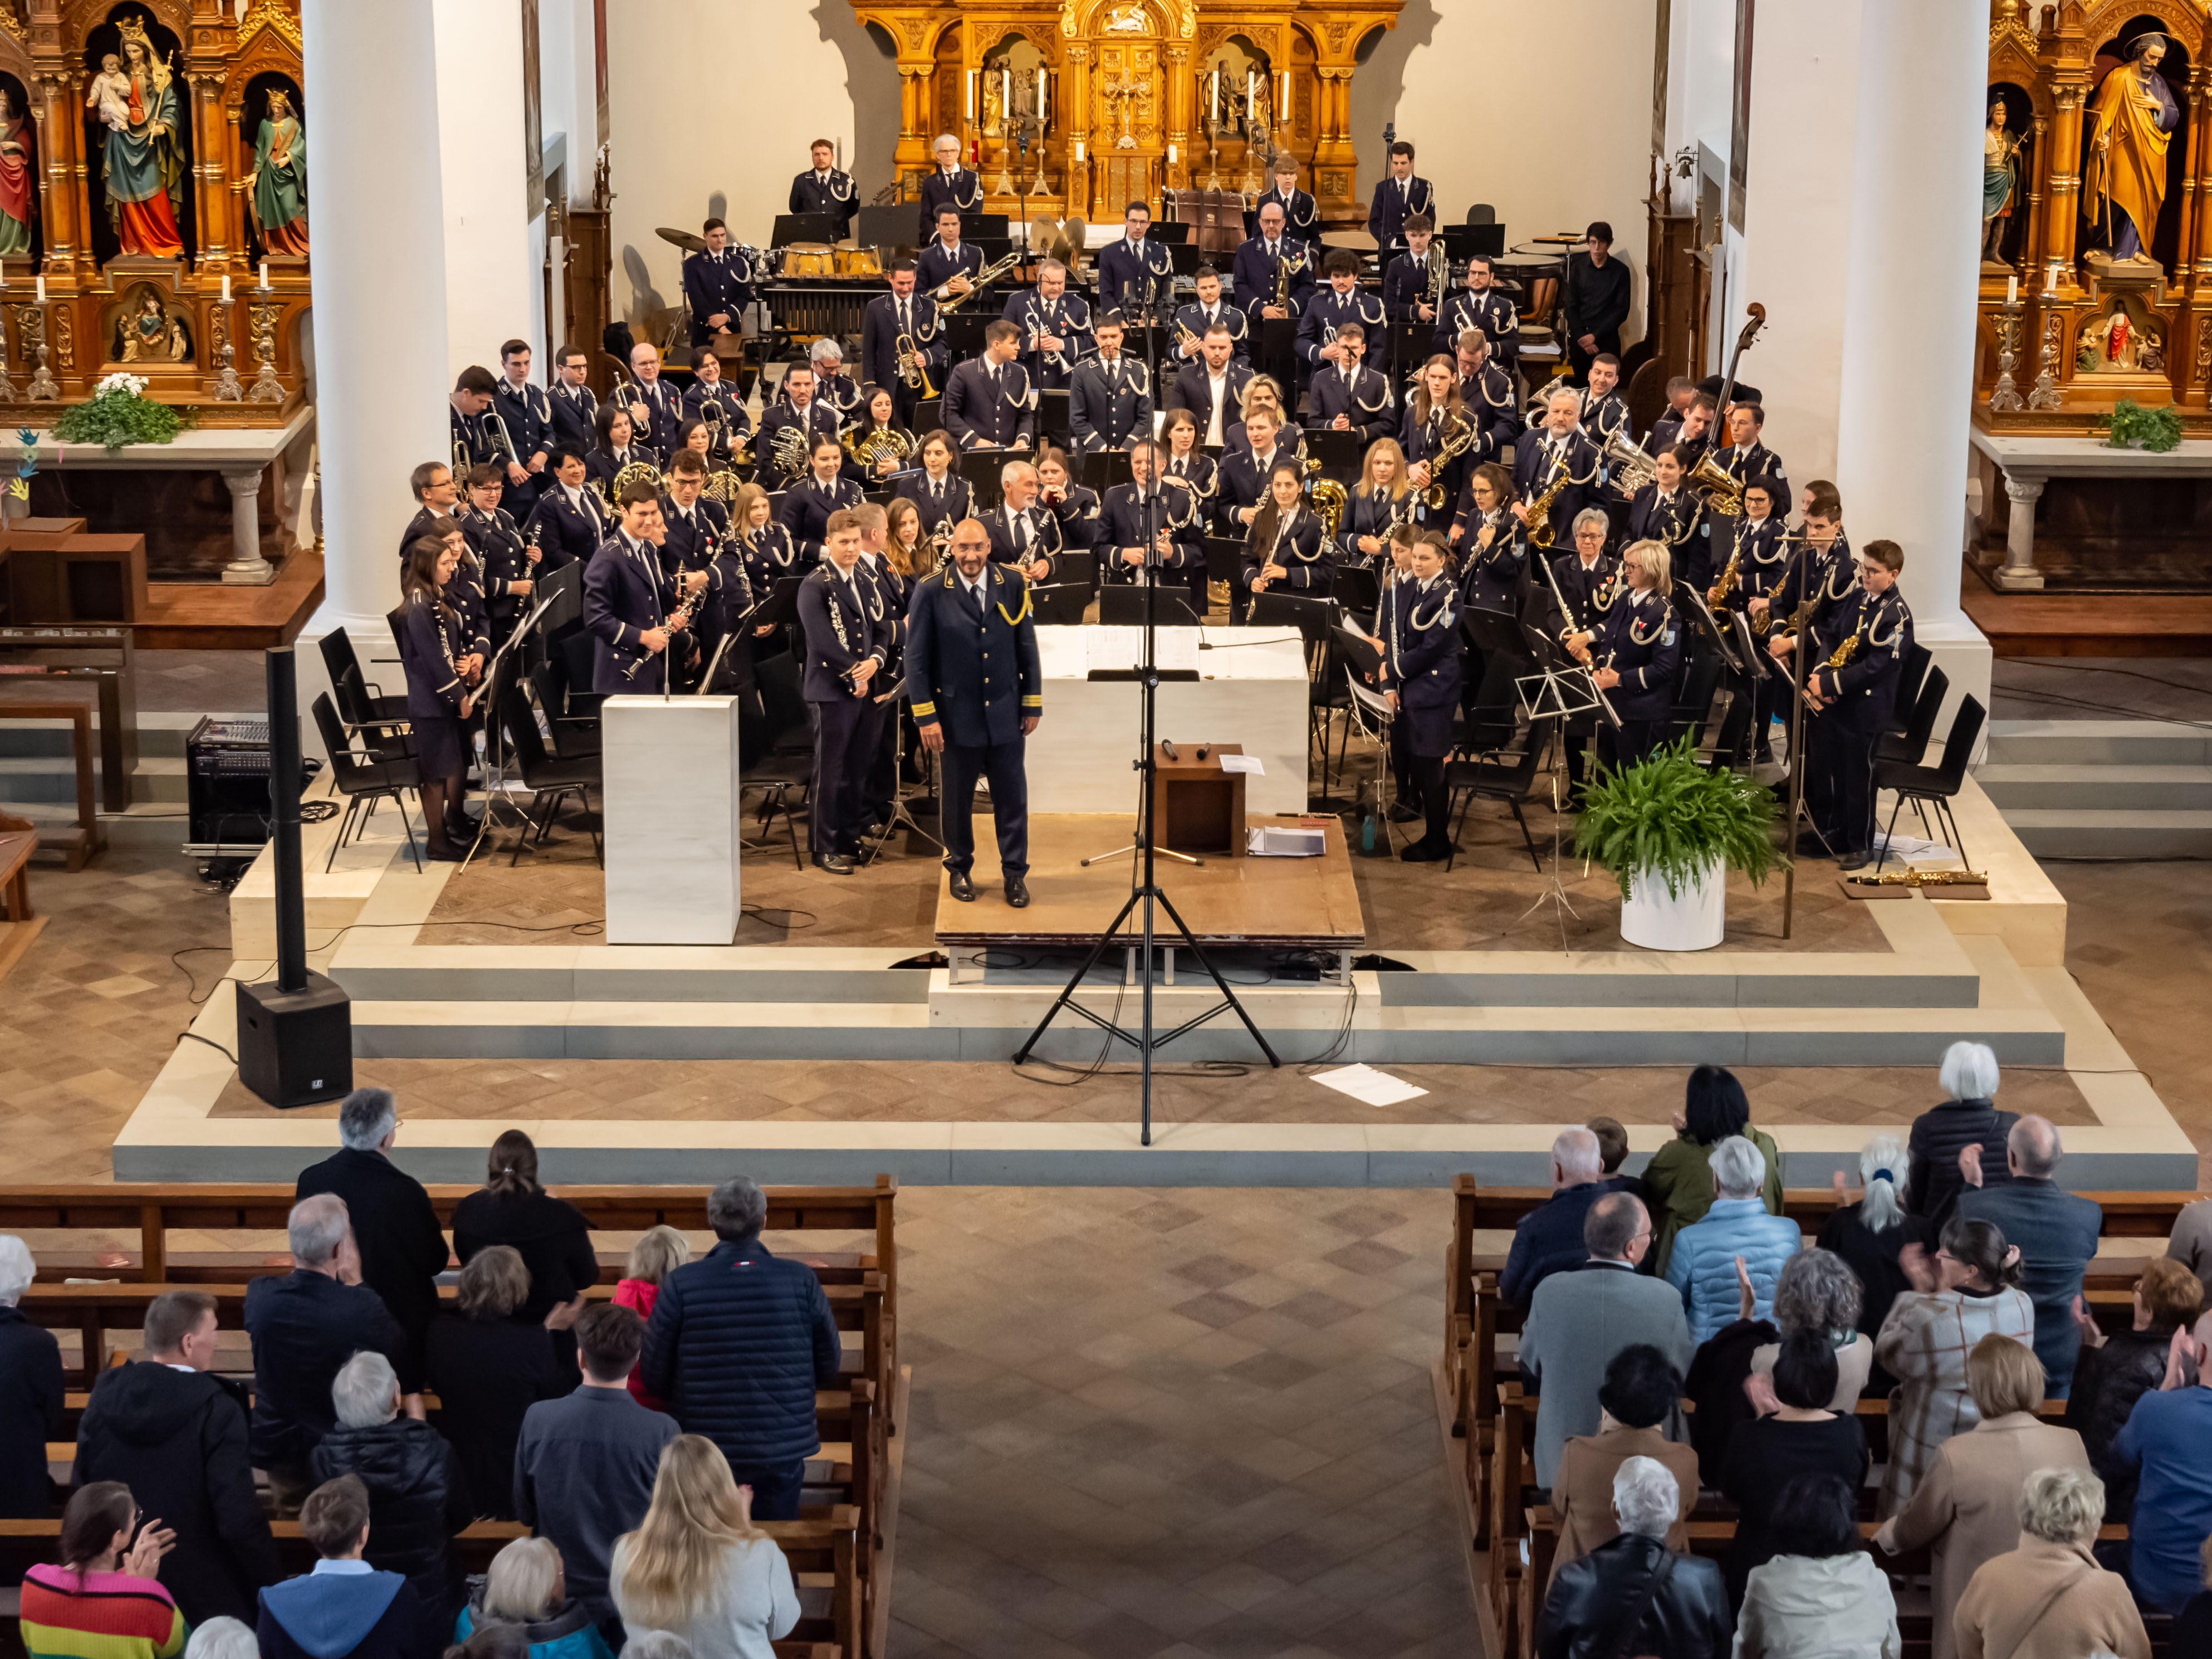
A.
pixel 1658 921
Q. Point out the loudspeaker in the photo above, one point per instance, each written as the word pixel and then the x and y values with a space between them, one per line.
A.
pixel 296 1048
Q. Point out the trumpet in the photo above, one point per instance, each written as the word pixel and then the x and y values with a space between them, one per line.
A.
pixel 912 368
pixel 1033 322
pixel 981 280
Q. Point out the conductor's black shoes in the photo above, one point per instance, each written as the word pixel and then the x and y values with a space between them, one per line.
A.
pixel 962 886
pixel 1018 892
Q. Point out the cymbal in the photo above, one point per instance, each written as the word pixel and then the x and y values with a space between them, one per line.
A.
pixel 683 239
pixel 1357 240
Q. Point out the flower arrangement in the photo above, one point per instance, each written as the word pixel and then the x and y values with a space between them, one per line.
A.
pixel 118 413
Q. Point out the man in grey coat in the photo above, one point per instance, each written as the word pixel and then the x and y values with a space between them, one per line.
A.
pixel 1579 1319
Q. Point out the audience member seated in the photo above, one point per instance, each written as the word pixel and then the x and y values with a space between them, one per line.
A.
pixel 1681 1605
pixel 1611 1153
pixel 1579 1321
pixel 1640 1394
pixel 1967 1507
pixel 1550 1236
pixel 1871 1234
pixel 345 1608
pixel 1971 1291
pixel 2110 1373
pixel 1802 1435
pixel 1819 1595
pixel 658 1252
pixel 697 1566
pixel 1730 1378
pixel 1735 1230
pixel 2167 1444
pixel 739 1354
pixel 2049 1599
pixel 497 1641
pixel 2191 1241
pixel 416 1499
pixel 402 1249
pixel 30 1391
pixel 1940 1135
pixel 488 1364
pixel 1678 1183
pixel 2057 1233
pixel 176 1435
pixel 584 1465
pixel 551 1234
pixel 525 1590
pixel 222 1637
pixel 304 1325
pixel 104 1600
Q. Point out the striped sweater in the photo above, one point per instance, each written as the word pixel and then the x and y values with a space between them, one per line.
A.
pixel 98 1615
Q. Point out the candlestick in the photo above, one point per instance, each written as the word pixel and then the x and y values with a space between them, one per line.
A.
pixel 2012 290
pixel 1006 96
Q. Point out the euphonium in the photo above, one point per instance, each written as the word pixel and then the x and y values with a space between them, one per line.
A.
pixel 1723 495
pixel 912 368
pixel 1632 468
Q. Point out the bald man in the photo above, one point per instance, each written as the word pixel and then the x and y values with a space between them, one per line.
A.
pixel 2056 1231
pixel 1550 1236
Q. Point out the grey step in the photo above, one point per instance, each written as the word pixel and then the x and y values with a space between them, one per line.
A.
pixel 160 736
pixel 2013 784
pixel 2101 834
pixel 151 825
pixel 159 781
pixel 2098 743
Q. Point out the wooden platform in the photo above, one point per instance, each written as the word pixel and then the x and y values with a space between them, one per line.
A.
pixel 2090 624
pixel 213 617
pixel 1294 903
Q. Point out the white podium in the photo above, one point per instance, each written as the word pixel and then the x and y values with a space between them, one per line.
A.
pixel 673 812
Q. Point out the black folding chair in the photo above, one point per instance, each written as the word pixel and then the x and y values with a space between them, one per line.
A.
pixel 548 781
pixel 1499 778
pixel 1928 787
pixel 1909 745
pixel 363 779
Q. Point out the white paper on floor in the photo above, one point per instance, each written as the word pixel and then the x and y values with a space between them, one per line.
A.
pixel 1369 1086
pixel 1912 850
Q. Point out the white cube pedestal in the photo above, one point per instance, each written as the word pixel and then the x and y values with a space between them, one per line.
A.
pixel 672 813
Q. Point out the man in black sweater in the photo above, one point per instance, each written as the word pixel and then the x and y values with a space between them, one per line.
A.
pixel 1595 302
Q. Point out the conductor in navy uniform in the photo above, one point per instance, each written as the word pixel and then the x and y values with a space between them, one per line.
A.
pixel 977 691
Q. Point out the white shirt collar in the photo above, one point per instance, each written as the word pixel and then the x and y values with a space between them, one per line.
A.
pixel 351 1569
pixel 976 586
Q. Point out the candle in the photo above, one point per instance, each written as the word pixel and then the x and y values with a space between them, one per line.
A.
pixel 2051 278
pixel 1251 96
pixel 264 273
pixel 1079 150
pixel 971 94
pixel 1284 107
pixel 42 290
pixel 1006 94
pixel 225 288
pixel 1043 96
pixel 1217 96
pixel 2012 290
pixel 1171 155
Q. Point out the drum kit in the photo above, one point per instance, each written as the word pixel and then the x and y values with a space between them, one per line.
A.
pixel 798 261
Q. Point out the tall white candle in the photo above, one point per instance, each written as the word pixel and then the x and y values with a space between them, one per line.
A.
pixel 264 273
pixel 1171 154
pixel 42 290
pixel 1006 94
pixel 225 288
pixel 1251 94
pixel 1217 95
pixel 971 94
pixel 1284 107
pixel 2012 290
pixel 1044 99
pixel 1079 150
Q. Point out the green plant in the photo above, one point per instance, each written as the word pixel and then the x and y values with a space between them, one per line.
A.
pixel 2130 424
pixel 1668 816
pixel 116 414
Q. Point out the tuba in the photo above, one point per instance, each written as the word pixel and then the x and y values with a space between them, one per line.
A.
pixel 1632 468
pixel 1723 493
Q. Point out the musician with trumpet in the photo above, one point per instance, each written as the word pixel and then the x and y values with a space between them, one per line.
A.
pixel 791 428
pixel 1054 325
pixel 951 185
pixel 527 413
pixel 715 401
pixel 1347 396
pixel 1212 387
pixel 718 284
pixel 1854 686
pixel 633 609
pixel 1634 653
pixel 948 267
pixel 1208 310
pixel 989 402
pixel 899 343
pixel 1109 403
pixel 1560 469
pixel 1480 305
pixel 1668 511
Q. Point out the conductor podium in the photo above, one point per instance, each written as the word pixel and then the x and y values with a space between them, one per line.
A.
pixel 672 817
pixel 1198 807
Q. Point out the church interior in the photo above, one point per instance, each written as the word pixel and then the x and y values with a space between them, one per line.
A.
pixel 1467 616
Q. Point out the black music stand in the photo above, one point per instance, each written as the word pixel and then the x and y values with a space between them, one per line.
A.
pixel 1224 558
pixel 1052 416
pixel 1123 606
pixel 805 228
pixel 1060 604
pixel 1357 589
pixel 1101 469
pixel 1461 242
pixel 1339 452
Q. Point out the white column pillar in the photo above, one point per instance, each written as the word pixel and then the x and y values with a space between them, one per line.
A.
pixel 491 275
pixel 379 297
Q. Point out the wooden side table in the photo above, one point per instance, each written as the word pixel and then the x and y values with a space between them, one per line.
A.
pixel 1197 807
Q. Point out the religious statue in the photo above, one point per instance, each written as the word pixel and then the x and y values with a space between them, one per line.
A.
pixel 2115 344
pixel 19 197
pixel 150 334
pixel 2132 121
pixel 277 187
pixel 2002 172
pixel 143 166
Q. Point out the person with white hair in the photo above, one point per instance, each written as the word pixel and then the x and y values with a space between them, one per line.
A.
pixel 304 1325
pixel 1736 1236
pixel 2056 1231
pixel 30 1391
pixel 950 185
pixel 222 1637
pixel 1549 1239
pixel 1678 1604
pixel 1870 1234
pixel 2049 1599
pixel 1941 1136
pixel 528 1588
pixel 417 1500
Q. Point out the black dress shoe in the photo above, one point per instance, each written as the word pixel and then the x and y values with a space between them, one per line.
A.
pixel 1402 813
pixel 1018 892
pixel 1851 861
pixel 837 864
pixel 445 854
pixel 962 885
pixel 1426 851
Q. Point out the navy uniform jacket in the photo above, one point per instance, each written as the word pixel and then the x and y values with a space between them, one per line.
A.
pixel 892 592
pixel 1128 272
pixel 1677 520
pixel 805 510
pixel 1760 557
pixel 839 393
pixel 1169 505
pixel 1200 470
pixel 665 401
pixel 1109 407
pixel 625 593
pixel 1392 204
pixel 1043 536
pixel 820 421
pixel 573 407
pixel 527 414
pixel 1243 482
pixel 567 532
pixel 431 642
pixel 1489 397
pixel 829 193
pixel 845 623
pixel 1301 213
pixel 879 332
pixel 1426 667
pixel 692 541
pixel 1487 310
pixel 1369 513
pixel 1328 311
pixel 1290 442
pixel 1826 582
pixel 977 676
pixel 937 265
pixel 1067 318
pixel 939 503
pixel 1252 277
pixel 465 593
pixel 717 282
pixel 735 424
pixel 961 189
pixel 1491 579
pixel 1077 514
pixel 1298 548
pixel 730 594
pixel 1195 318
pixel 1420 440
pixel 500 549
pixel 983 406
pixel 601 466
pixel 1589 592
pixel 1534 461
pixel 1365 397
pixel 1757 461
pixel 1602 417
pixel 1406 288
pixel 1191 389
pixel 1642 639
pixel 1866 686
pixel 770 555
pixel 418 529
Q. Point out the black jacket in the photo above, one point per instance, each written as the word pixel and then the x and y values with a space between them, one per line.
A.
pixel 2108 1382
pixel 737 1344
pixel 416 1502
pixel 487 1373
pixel 1591 1598
pixel 554 1239
pixel 1939 1135
pixel 306 1326
pixel 177 1440
pixel 30 1414
pixel 402 1249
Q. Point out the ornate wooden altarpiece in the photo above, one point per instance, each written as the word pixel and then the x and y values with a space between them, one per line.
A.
pixel 1137 96
pixel 161 316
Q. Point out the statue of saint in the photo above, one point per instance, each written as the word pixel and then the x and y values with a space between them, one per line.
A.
pixel 152 335
pixel 19 194
pixel 2001 181
pixel 279 183
pixel 2132 119
pixel 142 166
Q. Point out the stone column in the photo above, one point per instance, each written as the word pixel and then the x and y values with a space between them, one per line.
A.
pixel 2018 574
pixel 246 567
pixel 380 293
pixel 489 294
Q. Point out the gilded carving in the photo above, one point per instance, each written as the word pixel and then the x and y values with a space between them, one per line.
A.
pixel 270 14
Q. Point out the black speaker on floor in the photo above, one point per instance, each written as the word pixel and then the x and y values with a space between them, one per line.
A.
pixel 295 1031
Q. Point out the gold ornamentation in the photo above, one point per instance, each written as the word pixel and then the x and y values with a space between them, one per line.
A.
pixel 261 322
pixel 65 339
pixel 270 14
pixel 14 25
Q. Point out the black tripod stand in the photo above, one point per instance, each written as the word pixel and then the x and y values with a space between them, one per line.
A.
pixel 1145 891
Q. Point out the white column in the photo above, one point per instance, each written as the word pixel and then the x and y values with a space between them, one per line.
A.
pixel 379 298
pixel 492 278
pixel 246 567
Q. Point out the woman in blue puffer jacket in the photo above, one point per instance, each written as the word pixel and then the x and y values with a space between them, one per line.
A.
pixel 1703 1265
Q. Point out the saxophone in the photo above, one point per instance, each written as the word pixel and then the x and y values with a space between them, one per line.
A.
pixel 1457 443
pixel 1286 267
pixel 1540 532
pixel 1719 597
pixel 1922 878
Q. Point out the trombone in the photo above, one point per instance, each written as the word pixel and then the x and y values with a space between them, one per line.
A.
pixel 981 280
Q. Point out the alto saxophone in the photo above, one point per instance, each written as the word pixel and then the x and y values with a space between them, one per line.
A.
pixel 1457 441
pixel 1540 532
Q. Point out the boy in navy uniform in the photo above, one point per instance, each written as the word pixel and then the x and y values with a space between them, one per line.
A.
pixel 1396 199
pixel 629 600
pixel 848 637
pixel 947 259
pixel 526 412
pixel 977 690
pixel 1301 213
pixel 1480 305
pixel 1872 631
pixel 575 405
pixel 825 189
pixel 717 285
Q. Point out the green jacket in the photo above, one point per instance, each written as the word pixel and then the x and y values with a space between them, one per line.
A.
pixel 1678 1187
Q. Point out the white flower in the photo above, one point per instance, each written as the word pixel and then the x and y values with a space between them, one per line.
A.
pixel 127 384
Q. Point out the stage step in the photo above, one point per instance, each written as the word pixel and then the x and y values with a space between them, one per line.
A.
pixel 2098 743
pixel 2101 789
pixel 2098 834
pixel 153 824
pixel 160 736
pixel 2108 789
pixel 54 778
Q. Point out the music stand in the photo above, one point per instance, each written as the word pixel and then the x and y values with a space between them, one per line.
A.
pixel 1339 452
pixel 976 227
pixel 1463 241
pixel 1310 617
pixel 1101 469
pixel 1410 346
pixel 1170 232
pixel 1052 414
pixel 1224 558
pixel 982 467
pixel 900 814
pixel 805 227
pixel 560 596
pixel 1357 588
pixel 1060 604
pixel 1122 606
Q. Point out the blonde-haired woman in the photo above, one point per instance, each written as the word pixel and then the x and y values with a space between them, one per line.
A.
pixel 698 1567
pixel 658 1252
pixel 1636 656
pixel 1263 391
pixel 1378 500
pixel 528 1588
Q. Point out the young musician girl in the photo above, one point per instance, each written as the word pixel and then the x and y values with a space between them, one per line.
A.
pixel 615 449
pixel 439 702
pixel 695 435
pixel 1188 459
pixel 907 554
pixel 808 504
pixel 939 495
pixel 1395 573
pixel 768 552
pixel 1757 552
pixel 1378 500
pixel 465 592
pixel 1668 510
pixel 507 561
pixel 1283 550
pixel 878 413
pixel 1637 654
pixel 1261 390
pixel 1422 675
pixel 1075 508
pixel 1433 413
pixel 1493 544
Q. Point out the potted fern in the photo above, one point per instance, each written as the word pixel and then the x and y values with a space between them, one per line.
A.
pixel 1669 832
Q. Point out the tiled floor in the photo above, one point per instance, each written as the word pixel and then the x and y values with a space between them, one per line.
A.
pixel 2101 689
